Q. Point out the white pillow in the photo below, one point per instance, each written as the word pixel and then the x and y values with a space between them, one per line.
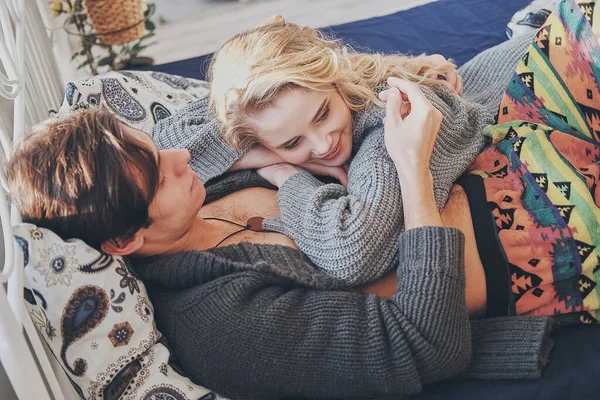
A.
pixel 530 18
pixel 138 98
pixel 96 317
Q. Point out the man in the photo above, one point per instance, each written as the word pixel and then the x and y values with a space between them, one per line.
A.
pixel 254 318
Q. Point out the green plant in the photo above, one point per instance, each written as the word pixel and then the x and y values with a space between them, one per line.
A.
pixel 94 54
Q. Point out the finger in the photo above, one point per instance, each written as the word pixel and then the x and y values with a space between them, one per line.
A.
pixel 452 77
pixel 412 91
pixel 383 95
pixel 460 86
pixel 392 106
pixel 405 110
pixel 341 176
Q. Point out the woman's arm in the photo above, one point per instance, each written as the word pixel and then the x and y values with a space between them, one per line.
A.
pixel 349 232
pixel 196 128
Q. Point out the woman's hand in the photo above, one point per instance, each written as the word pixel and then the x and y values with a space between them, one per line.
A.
pixel 411 126
pixel 451 76
pixel 339 173
pixel 277 174
pixel 257 157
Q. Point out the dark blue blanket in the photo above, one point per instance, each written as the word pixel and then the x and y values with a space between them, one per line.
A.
pixel 460 29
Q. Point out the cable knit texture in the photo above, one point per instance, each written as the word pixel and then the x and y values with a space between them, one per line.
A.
pixel 260 322
pixel 351 233
pixel 501 60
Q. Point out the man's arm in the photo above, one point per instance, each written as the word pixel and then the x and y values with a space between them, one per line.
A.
pixel 258 333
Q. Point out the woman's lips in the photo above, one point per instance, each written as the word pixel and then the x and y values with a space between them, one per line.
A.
pixel 333 152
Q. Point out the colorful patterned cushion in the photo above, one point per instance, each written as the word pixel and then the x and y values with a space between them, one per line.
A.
pixel 138 98
pixel 96 318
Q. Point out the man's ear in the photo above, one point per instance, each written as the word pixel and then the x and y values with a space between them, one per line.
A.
pixel 120 247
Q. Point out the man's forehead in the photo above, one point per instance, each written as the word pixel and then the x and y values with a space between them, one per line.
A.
pixel 141 136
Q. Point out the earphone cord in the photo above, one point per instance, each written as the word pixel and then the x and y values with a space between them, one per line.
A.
pixel 244 228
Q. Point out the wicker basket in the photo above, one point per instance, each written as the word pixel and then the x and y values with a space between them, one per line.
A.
pixel 116 21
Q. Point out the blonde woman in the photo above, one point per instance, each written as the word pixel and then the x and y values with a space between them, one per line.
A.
pixel 285 93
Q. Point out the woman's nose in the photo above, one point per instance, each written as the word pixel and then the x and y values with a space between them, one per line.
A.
pixel 322 144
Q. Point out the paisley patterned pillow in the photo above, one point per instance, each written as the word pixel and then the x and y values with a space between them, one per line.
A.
pixel 96 318
pixel 138 98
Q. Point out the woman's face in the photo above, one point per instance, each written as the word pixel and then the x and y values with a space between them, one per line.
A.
pixel 305 126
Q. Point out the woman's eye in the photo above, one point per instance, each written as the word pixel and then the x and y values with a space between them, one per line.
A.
pixel 323 116
pixel 292 144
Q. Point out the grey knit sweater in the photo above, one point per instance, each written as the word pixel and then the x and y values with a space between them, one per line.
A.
pixel 351 233
pixel 260 322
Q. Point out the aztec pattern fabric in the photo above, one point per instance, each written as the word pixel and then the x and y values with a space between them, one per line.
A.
pixel 541 170
pixel 95 316
pixel 140 99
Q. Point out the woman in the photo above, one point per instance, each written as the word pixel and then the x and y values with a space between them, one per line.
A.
pixel 261 78
pixel 312 103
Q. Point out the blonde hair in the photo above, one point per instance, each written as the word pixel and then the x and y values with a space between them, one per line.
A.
pixel 254 67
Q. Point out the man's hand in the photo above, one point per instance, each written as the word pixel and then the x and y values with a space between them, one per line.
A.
pixel 409 140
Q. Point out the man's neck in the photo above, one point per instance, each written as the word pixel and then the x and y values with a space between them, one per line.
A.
pixel 202 235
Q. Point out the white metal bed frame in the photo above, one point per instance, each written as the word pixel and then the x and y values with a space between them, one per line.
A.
pixel 31 82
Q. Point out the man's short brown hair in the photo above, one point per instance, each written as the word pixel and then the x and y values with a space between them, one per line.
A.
pixel 82 177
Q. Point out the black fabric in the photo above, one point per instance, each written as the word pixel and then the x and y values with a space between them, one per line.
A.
pixel 497 275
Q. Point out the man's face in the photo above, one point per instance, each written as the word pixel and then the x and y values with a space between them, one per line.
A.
pixel 179 196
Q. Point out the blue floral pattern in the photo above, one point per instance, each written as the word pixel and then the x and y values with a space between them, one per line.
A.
pixel 95 316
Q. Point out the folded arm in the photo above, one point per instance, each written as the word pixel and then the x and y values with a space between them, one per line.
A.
pixel 351 233
pixel 277 339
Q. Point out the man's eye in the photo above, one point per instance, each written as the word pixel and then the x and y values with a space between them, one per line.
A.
pixel 323 116
pixel 293 144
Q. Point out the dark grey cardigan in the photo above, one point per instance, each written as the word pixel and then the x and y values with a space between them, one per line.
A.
pixel 260 322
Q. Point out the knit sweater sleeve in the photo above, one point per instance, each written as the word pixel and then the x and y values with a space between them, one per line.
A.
pixel 196 128
pixel 331 224
pixel 277 339
pixel 352 233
